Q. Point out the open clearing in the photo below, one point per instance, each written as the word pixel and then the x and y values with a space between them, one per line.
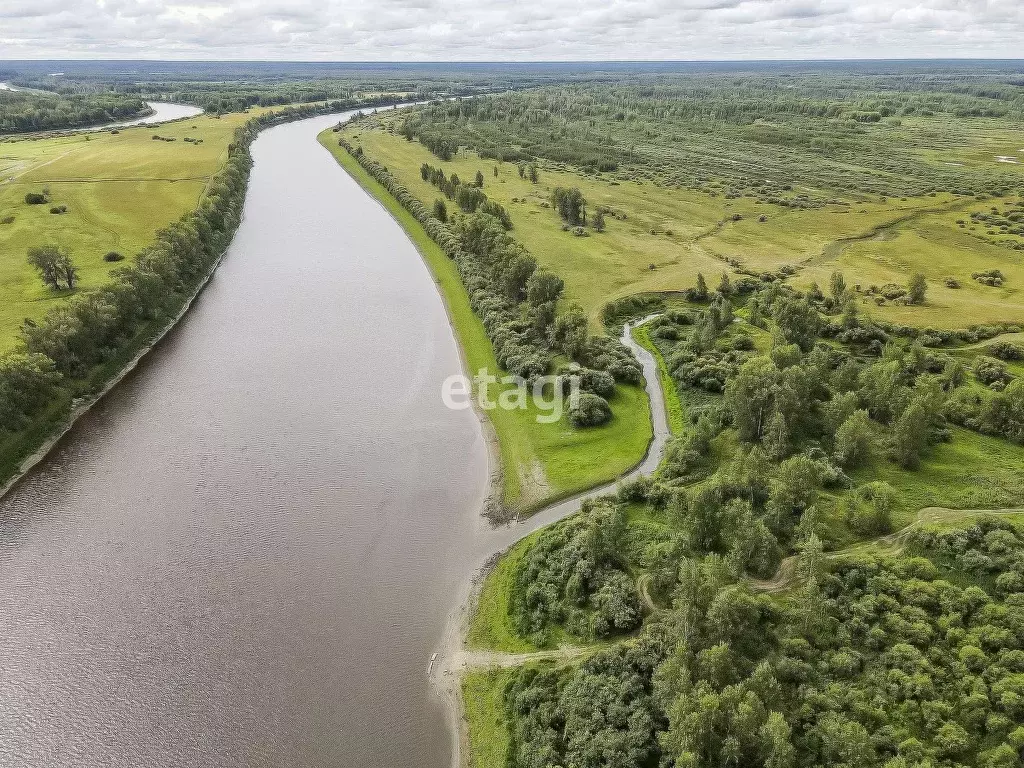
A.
pixel 119 190
pixel 658 238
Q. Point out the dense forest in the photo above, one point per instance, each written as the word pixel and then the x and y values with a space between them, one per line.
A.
pixel 791 139
pixel 874 660
pixel 751 628
pixel 22 112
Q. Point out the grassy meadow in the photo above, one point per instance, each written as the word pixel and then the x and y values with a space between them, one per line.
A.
pixel 491 625
pixel 119 190
pixel 482 696
pixel 659 237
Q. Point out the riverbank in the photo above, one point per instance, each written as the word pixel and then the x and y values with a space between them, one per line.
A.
pixel 84 405
pixel 540 463
pixel 20 452
pixel 467 628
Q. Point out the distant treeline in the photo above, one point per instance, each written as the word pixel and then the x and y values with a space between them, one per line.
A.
pixel 765 135
pixel 222 97
pixel 23 112
pixel 85 340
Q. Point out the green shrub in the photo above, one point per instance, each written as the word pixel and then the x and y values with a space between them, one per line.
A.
pixel 589 411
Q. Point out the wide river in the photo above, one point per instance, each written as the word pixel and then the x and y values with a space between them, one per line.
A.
pixel 246 554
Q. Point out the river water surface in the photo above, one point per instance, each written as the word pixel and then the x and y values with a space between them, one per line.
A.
pixel 247 552
pixel 162 112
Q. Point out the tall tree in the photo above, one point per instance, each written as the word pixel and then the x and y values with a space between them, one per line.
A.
pixel 54 266
pixel 837 287
pixel 910 435
pixel 917 290
pixel 701 291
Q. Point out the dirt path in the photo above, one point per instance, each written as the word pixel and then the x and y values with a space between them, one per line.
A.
pixel 892 542
pixel 643 584
pixel 36 167
pixel 465 660
pixel 780 581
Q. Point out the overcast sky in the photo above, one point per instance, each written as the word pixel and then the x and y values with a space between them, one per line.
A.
pixel 510 29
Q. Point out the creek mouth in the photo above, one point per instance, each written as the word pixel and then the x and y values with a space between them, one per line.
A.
pixel 244 555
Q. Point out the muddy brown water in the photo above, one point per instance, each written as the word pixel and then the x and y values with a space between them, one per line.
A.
pixel 247 552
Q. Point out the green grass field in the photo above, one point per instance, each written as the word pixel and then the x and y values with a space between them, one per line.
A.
pixel 970 472
pixel 540 462
pixel 119 189
pixel 484 712
pixel 491 626
pixel 680 232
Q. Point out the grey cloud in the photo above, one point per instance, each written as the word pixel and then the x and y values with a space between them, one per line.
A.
pixel 523 29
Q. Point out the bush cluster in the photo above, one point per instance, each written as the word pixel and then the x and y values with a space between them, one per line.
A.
pixel 514 298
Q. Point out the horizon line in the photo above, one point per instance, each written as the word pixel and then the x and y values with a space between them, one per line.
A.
pixel 525 61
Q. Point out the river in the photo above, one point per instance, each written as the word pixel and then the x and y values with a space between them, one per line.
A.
pixel 162 112
pixel 247 552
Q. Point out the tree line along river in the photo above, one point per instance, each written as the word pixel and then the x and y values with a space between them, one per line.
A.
pixel 246 553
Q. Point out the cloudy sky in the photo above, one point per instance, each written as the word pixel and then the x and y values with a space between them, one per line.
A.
pixel 510 29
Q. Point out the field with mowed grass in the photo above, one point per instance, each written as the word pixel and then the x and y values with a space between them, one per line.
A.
pixel 540 462
pixel 659 237
pixel 118 190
